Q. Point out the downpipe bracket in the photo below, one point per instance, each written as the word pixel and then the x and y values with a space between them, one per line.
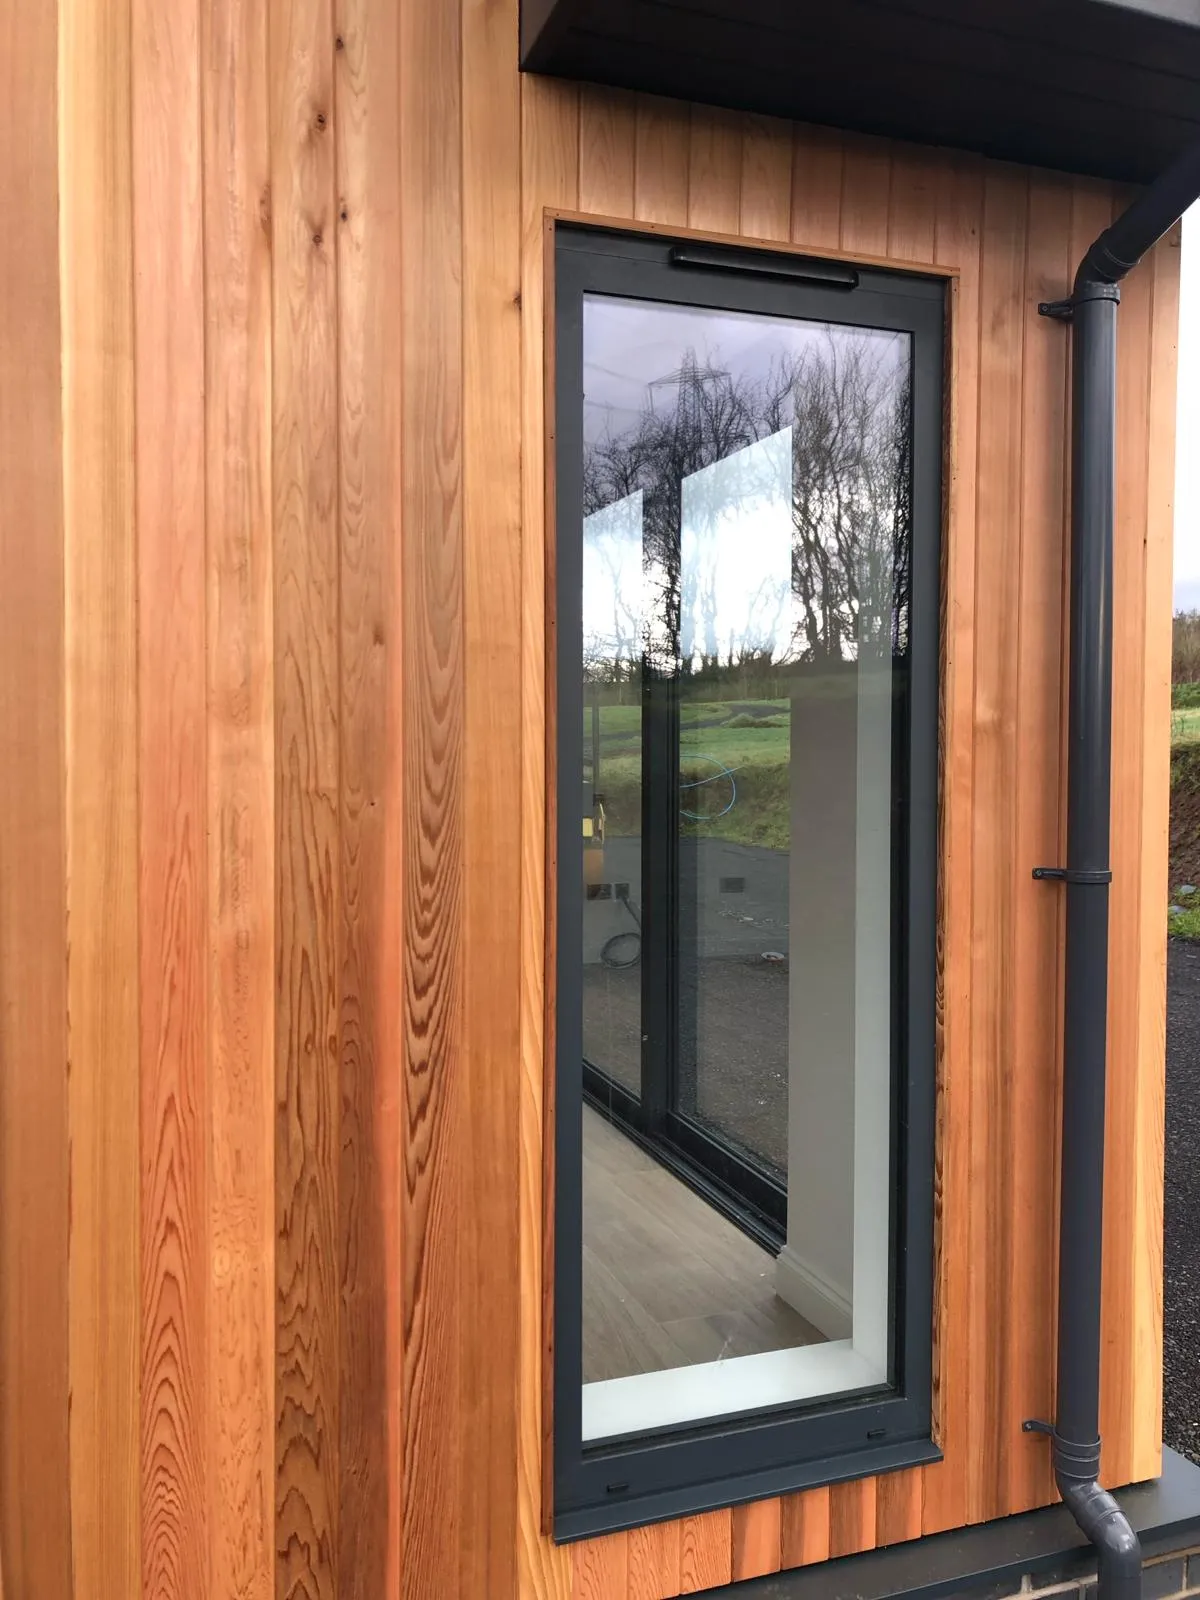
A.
pixel 1064 310
pixel 1072 875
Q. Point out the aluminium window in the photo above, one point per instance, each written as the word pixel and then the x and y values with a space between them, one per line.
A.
pixel 748 505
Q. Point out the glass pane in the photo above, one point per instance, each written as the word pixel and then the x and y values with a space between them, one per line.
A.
pixel 612 825
pixel 746 548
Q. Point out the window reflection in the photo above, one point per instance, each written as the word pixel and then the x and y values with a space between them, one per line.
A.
pixel 747 498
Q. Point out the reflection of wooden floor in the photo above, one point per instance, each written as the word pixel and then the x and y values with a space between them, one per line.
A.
pixel 667 1281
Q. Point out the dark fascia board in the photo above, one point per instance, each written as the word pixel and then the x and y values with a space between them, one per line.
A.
pixel 1103 87
pixel 1165 1512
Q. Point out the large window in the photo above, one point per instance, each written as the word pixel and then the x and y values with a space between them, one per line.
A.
pixel 748 504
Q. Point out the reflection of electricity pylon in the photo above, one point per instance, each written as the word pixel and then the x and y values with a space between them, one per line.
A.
pixel 689 380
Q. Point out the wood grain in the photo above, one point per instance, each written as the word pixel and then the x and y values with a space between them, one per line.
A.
pixel 488 1156
pixel 1121 1313
pixel 607 130
pixel 308 851
pixel 661 140
pixel 852 1511
pixel 913 203
pixel 899 1506
pixel 550 164
pixel 715 171
pixel 35 1512
pixel 866 185
pixel 100 584
pixel 1033 1076
pixel 804 1527
pixel 601 1567
pixel 1146 1452
pixel 957 241
pixel 756 1539
pixel 367 140
pixel 997 567
pixel 241 801
pixel 655 1553
pixel 706 1551
pixel 765 194
pixel 436 1445
pixel 818 156
pixel 173 799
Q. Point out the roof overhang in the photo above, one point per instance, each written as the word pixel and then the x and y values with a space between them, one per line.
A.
pixel 1107 87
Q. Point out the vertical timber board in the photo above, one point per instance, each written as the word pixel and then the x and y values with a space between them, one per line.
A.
pixel 853 1508
pixel 756 1539
pixel 487 1157
pixel 168 270
pixel 601 1568
pixel 1121 1176
pixel 1031 1134
pixel 435 1436
pixel 765 197
pixel 804 1527
pixel 655 1557
pixel 997 636
pixel 369 445
pixel 100 585
pixel 35 1520
pixel 911 236
pixel 913 203
pixel 714 170
pixel 661 140
pixel 899 1506
pixel 1146 1453
pixel 308 860
pixel 606 151
pixel 706 1551
pixel 241 799
pixel 866 186
pixel 549 178
pixel 957 244
pixel 816 212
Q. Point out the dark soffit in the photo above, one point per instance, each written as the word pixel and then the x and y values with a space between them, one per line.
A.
pixel 1105 87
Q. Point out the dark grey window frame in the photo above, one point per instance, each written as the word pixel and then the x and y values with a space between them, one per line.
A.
pixel 724 1461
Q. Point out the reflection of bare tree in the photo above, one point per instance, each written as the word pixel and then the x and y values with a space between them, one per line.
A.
pixel 846 398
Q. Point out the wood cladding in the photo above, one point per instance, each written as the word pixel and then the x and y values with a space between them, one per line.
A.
pixel 277 694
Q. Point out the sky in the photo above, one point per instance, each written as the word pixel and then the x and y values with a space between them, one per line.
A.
pixel 1187 467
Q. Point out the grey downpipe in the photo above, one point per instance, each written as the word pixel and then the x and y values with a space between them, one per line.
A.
pixel 1092 313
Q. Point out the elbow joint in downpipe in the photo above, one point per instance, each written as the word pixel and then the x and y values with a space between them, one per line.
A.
pixel 1099 1516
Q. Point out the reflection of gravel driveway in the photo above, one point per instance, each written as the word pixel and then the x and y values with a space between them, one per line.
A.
pixel 1181 1289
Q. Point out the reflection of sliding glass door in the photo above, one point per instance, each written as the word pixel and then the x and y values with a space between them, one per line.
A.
pixel 746 484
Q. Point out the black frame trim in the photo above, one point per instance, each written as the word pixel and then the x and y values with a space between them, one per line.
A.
pixel 721 1461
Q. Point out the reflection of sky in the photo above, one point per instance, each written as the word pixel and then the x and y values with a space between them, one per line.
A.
pixel 736 552
pixel 735 556
pixel 736 531
pixel 633 350
pixel 612 581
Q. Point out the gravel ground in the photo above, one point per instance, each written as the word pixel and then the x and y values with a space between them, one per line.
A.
pixel 1181 1289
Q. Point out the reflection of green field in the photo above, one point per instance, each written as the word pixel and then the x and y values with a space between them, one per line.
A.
pixel 628 719
pixel 754 744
